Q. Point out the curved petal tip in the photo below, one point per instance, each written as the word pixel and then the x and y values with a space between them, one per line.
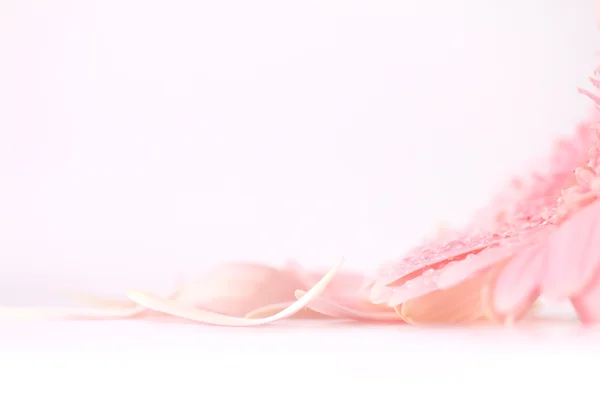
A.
pixel 178 309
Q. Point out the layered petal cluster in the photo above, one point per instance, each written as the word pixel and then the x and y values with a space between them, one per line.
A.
pixel 540 237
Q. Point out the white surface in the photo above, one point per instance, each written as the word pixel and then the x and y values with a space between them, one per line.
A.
pixel 295 360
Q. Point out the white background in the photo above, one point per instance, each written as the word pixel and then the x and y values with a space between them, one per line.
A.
pixel 135 360
pixel 142 139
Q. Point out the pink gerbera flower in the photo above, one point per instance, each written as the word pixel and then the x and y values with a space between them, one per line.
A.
pixel 539 240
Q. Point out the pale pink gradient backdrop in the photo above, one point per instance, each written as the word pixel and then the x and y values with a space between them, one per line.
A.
pixel 144 139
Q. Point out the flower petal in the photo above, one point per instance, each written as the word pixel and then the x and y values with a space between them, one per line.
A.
pixel 350 309
pixel 182 310
pixel 236 289
pixel 450 275
pixel 574 254
pixel 273 309
pixel 512 289
pixel 456 305
pixel 343 283
pixel 587 303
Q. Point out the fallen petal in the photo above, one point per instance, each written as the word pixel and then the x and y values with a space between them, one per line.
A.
pixel 273 309
pixel 182 310
pixel 343 283
pixel 236 289
pixel 350 310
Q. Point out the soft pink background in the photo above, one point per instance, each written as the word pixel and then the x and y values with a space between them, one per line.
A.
pixel 143 139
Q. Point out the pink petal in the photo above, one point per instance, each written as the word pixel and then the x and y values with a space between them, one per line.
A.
pixel 591 95
pixel 574 254
pixel 595 82
pixel 273 309
pixel 452 274
pixel 458 271
pixel 236 289
pixel 181 310
pixel 587 303
pixel 516 285
pixel 351 309
pixel 380 293
pixel 395 274
pixel 413 288
pixel 459 304
pixel 342 283
pixel 233 289
pixel 584 176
